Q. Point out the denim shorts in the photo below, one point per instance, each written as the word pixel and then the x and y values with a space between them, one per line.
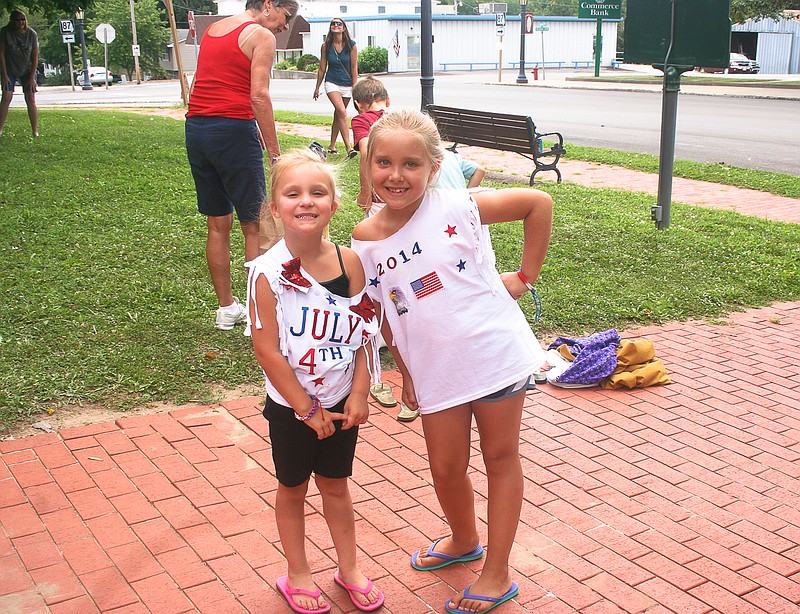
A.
pixel 508 391
pixel 227 164
pixel 24 81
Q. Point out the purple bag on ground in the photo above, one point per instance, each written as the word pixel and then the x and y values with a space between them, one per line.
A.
pixel 595 357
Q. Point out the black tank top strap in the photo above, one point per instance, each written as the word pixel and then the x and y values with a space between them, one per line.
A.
pixel 339 256
pixel 341 285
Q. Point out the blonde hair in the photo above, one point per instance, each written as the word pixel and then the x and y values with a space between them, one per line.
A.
pixel 419 124
pixel 293 159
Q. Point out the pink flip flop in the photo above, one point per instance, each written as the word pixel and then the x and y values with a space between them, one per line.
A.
pixel 288 593
pixel 351 588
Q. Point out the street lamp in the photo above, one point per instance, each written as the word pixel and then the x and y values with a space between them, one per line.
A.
pixel 521 78
pixel 87 84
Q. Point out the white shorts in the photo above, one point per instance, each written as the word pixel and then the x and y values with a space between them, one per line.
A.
pixel 345 90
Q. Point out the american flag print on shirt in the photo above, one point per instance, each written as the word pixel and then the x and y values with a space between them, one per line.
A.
pixel 427 284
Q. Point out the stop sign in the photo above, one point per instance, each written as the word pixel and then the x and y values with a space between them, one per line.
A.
pixel 105 33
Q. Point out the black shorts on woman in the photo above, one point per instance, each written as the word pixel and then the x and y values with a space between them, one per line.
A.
pixel 296 451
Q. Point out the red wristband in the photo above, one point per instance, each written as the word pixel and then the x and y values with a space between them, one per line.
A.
pixel 524 280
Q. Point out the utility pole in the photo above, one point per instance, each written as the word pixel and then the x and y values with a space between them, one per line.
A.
pixel 176 44
pixel 135 45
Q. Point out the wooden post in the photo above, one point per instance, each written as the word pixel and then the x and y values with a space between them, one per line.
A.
pixel 177 46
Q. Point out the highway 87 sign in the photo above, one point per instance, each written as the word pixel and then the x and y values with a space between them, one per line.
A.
pixel 67 30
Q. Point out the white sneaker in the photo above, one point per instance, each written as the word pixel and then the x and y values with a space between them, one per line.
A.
pixel 230 316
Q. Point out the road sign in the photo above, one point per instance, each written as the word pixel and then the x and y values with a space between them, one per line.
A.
pixel 105 33
pixel 543 27
pixel 500 20
pixel 135 51
pixel 501 31
pixel 528 23
pixel 67 30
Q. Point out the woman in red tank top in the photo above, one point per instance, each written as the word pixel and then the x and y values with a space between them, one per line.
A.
pixel 228 125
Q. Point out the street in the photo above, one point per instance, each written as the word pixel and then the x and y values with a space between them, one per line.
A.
pixel 715 123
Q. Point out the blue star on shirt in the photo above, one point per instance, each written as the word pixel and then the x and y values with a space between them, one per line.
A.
pixel 331 300
pixel 374 282
pixel 461 265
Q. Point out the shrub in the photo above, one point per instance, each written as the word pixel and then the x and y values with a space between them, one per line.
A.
pixel 306 59
pixel 373 59
pixel 285 65
pixel 312 67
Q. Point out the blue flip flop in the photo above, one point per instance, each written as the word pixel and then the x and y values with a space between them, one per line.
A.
pixel 474 555
pixel 495 601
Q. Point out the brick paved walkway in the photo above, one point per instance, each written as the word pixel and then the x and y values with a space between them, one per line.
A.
pixel 682 498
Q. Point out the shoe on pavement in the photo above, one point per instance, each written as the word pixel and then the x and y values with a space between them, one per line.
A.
pixel 230 316
pixel 406 414
pixel 382 393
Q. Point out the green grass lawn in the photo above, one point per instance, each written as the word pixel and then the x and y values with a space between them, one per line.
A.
pixel 106 295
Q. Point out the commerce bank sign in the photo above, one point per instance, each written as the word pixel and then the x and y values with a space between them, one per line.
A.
pixel 599 9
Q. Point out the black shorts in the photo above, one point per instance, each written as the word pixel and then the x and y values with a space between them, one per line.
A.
pixel 296 451
pixel 227 165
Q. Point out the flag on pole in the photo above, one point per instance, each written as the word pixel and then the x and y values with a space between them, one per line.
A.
pixel 396 43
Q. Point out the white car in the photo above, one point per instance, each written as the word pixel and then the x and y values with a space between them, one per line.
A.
pixel 97 76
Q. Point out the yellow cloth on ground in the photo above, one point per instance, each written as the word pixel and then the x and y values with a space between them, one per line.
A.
pixel 637 367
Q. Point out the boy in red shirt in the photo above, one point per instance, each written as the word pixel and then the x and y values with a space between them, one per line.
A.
pixel 371 99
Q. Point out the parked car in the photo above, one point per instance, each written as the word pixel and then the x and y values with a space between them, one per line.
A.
pixel 97 76
pixel 739 63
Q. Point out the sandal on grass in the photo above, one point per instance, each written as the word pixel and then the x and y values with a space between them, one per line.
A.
pixel 382 393
pixel 352 588
pixel 333 152
pixel 289 593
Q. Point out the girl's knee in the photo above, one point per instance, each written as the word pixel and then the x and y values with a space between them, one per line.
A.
pixel 332 487
pixel 293 492
pixel 502 462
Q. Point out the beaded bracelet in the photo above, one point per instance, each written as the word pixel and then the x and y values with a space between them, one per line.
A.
pixel 315 405
pixel 537 300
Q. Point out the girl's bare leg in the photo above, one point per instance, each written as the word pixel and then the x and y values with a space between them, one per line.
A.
pixel 290 518
pixel 498 426
pixel 339 123
pixel 447 438
pixel 337 507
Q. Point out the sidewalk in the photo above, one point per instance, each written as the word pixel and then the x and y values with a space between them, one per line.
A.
pixel 683 498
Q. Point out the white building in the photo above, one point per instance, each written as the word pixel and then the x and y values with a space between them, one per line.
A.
pixel 462 39
pixel 342 8
pixel 775 45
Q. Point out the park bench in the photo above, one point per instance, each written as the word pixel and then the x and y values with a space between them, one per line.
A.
pixel 501 131
pixel 445 65
pixel 583 63
pixel 548 64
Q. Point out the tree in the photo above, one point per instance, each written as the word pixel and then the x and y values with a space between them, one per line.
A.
pixel 742 10
pixel 49 8
pixel 181 9
pixel 151 35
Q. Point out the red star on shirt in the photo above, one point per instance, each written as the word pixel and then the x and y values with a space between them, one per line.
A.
pixel 451 230
pixel 318 381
